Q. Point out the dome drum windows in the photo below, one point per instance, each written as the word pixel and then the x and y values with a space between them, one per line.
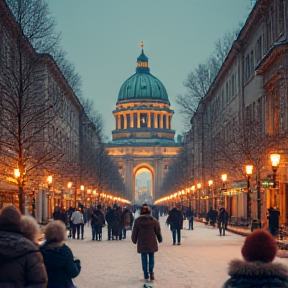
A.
pixel 143 120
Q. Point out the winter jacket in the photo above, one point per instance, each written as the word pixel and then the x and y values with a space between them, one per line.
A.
pixel 77 217
pixel 175 219
pixel 256 274
pixel 127 218
pixel 223 215
pixel 21 263
pixel 97 218
pixel 145 230
pixel 60 265
pixel 111 218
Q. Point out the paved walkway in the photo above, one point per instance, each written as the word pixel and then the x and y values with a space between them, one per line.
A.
pixel 200 261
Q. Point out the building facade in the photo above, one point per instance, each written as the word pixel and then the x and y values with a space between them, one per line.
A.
pixel 243 119
pixel 46 136
pixel 143 137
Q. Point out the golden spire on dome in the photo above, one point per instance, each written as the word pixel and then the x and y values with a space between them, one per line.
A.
pixel 142 45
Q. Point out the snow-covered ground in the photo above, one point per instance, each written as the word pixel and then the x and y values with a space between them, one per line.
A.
pixel 200 261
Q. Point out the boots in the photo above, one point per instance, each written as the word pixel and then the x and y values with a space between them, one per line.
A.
pixel 151 275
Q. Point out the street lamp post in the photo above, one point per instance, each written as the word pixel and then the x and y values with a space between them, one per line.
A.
pixel 193 192
pixel 275 159
pixel 224 179
pixel 82 188
pixel 198 210
pixel 211 194
pixel 259 204
pixel 69 186
pixel 249 170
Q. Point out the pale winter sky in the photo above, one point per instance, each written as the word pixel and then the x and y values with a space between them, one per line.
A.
pixel 102 39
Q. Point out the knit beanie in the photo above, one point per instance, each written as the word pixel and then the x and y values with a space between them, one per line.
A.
pixel 259 246
pixel 145 210
pixel 10 219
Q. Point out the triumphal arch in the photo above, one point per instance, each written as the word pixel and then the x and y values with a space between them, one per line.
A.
pixel 143 137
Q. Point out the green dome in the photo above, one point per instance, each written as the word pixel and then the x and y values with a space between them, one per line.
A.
pixel 143 85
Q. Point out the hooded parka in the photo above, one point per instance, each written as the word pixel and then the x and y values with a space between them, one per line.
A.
pixel 21 263
pixel 256 274
pixel 60 265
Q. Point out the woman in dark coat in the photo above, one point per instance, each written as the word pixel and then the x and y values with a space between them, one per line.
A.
pixel 257 270
pixel 145 230
pixel 175 220
pixel 58 258
pixel 21 263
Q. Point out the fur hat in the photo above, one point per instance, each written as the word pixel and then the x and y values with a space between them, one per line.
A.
pixel 259 246
pixel 10 219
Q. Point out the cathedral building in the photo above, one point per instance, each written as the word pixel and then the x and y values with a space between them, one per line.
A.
pixel 143 137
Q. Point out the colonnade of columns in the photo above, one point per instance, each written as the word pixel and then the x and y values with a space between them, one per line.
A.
pixel 143 119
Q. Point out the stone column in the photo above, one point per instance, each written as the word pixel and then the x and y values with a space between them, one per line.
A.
pixel 129 175
pixel 158 176
pixel 156 120
pixel 132 120
pixel 125 121
pixel 161 121
pixel 149 120
pixel 138 119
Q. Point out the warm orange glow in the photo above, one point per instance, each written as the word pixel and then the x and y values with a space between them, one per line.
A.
pixel 275 159
pixel 210 182
pixel 89 191
pixel 69 184
pixel 193 188
pixel 82 187
pixel 249 169
pixel 199 185
pixel 16 173
pixel 50 179
pixel 224 177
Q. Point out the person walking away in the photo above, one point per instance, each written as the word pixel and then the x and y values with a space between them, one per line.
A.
pixel 119 223
pixel 190 218
pixel 60 263
pixel 21 263
pixel 110 219
pixel 175 220
pixel 97 220
pixel 82 224
pixel 70 222
pixel 127 219
pixel 56 214
pixel 257 269
pixel 145 231
pixel 222 221
pixel 77 219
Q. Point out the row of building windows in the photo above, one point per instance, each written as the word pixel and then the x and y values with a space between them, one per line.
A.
pixel 143 120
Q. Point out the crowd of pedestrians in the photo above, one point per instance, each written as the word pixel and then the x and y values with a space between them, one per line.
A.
pixel 23 263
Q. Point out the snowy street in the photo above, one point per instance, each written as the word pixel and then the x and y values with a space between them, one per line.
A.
pixel 200 261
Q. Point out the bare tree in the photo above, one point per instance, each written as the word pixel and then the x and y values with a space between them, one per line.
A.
pixel 199 81
pixel 39 27
pixel 27 108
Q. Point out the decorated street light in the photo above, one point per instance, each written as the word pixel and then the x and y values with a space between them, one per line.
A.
pixel 248 172
pixel 211 193
pixel 275 159
pixel 198 205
